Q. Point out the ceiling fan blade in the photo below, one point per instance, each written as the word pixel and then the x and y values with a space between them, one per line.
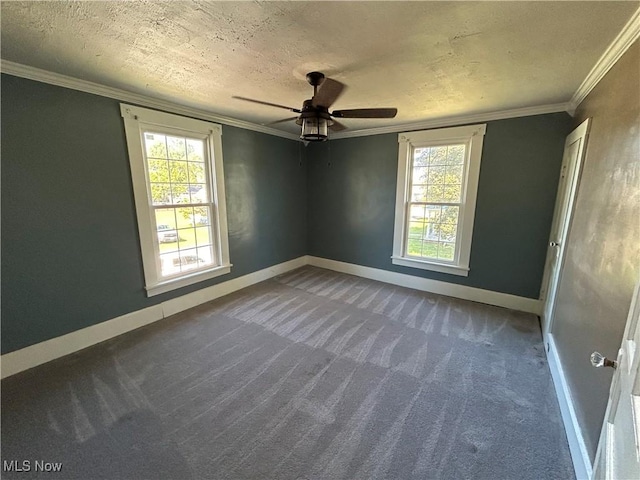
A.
pixel 266 103
pixel 327 93
pixel 281 121
pixel 337 126
pixel 366 113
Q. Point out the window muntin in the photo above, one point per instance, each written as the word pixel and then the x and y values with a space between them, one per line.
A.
pixel 176 166
pixel 438 174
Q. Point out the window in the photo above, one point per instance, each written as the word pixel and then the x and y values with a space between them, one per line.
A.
pixel 436 198
pixel 178 185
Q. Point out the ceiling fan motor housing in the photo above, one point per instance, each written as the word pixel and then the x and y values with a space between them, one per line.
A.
pixel 309 111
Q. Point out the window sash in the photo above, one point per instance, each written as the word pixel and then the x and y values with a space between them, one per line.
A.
pixel 410 203
pixel 407 238
pixel 210 205
pixel 179 253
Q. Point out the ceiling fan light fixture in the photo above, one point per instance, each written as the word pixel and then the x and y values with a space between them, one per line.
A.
pixel 314 129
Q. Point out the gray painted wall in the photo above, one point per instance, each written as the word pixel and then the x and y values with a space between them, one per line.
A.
pixel 352 188
pixel 70 250
pixel 603 245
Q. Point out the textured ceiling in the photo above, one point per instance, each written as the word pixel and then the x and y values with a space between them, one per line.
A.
pixel 428 59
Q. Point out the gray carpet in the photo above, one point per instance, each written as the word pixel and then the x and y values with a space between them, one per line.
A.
pixel 312 375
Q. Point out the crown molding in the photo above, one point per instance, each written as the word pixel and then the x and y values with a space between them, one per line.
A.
pixel 627 36
pixel 32 73
pixel 456 120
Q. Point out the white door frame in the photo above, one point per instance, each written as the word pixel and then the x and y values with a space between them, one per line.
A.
pixel 563 213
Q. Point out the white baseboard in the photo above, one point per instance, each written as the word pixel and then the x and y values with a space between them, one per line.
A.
pixel 34 355
pixel 579 454
pixel 43 352
pixel 506 300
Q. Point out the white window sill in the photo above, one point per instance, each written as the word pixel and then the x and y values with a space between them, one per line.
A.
pixel 174 283
pixel 434 266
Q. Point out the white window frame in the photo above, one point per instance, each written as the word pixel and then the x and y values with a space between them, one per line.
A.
pixel 137 120
pixel 472 136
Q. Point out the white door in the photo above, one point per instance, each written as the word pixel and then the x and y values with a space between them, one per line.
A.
pixel 618 454
pixel 574 149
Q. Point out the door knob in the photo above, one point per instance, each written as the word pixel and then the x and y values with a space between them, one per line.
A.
pixel 598 360
pixel 554 244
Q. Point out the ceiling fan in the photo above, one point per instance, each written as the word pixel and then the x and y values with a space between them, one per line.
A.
pixel 315 118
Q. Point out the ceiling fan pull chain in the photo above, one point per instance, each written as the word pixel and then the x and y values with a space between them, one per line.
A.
pixel 300 154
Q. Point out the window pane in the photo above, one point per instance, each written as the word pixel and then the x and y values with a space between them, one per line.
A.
pixel 166 229
pixel 416 229
pixel 454 174
pixel 165 218
pixel 205 255
pixel 180 193
pixel 188 260
pixel 178 172
pixel 167 265
pixel 201 215
pixel 449 215
pixel 414 247
pixel 455 155
pixel 432 213
pixel 187 238
pixel 160 193
pixel 195 150
pixel 158 171
pixel 197 173
pixel 176 148
pixel 438 155
pixel 202 236
pixel 420 175
pixel 451 193
pixel 446 251
pixel 435 193
pixel 448 232
pixel 199 193
pixel 430 249
pixel 432 231
pixel 155 145
pixel 421 157
pixel 418 194
pixel 184 217
pixel 417 213
pixel 437 174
